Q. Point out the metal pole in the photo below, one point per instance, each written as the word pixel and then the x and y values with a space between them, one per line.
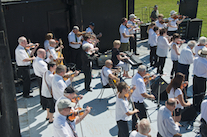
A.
pixel 158 104
pixel 9 120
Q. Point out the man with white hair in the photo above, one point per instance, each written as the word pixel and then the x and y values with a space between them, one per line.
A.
pixel 143 128
pixel 132 23
pixel 75 44
pixel 139 94
pixel 201 43
pixel 199 78
pixel 87 57
pixel 24 58
pixel 186 58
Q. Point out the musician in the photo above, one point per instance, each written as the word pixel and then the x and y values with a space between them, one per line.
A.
pixel 91 28
pixel 163 46
pixel 160 22
pixel 52 51
pixel 75 44
pixel 176 43
pixel 48 37
pixel 166 126
pixel 133 41
pixel 124 34
pixel 139 94
pixel 154 14
pixel 153 45
pixel 24 58
pixel 150 31
pixel 87 57
pixel 173 23
pixel 174 90
pixel 143 129
pixel 58 83
pixel 47 95
pixel 69 94
pixel 185 59
pixel 62 127
pixel 87 39
pixel 122 110
pixel 107 73
pixel 202 42
pixel 203 125
pixel 199 78
pixel 40 67
pixel 117 58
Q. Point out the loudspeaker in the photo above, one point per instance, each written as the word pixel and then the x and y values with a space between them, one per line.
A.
pixel 188 8
pixel 194 29
pixel 188 114
pixel 155 87
pixel 101 60
pixel 143 28
pixel 183 28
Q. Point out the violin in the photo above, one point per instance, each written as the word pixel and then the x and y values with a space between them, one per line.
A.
pixel 148 77
pixel 77 112
pixel 80 33
pixel 164 21
pixel 69 74
pixel 179 17
pixel 31 46
pixel 76 98
pixel 130 92
pixel 183 85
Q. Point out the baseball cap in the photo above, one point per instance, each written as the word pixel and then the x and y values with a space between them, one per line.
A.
pixel 92 24
pixel 76 27
pixel 65 103
pixel 132 16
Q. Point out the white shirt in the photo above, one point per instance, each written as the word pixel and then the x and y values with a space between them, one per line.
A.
pixel 85 42
pixel 204 110
pixel 51 50
pixel 105 75
pixel 39 66
pixel 150 33
pixel 186 56
pixel 172 23
pixel 162 46
pixel 133 133
pixel 61 127
pixel 174 56
pixel 165 123
pixel 58 86
pixel 20 55
pixel 89 30
pixel 46 45
pixel 47 76
pixel 197 48
pixel 121 109
pixel 138 81
pixel 123 29
pixel 159 25
pixel 132 24
pixel 140 135
pixel 175 94
pixel 153 40
pixel 72 38
pixel 200 67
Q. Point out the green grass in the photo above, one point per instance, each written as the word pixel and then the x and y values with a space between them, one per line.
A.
pixel 165 6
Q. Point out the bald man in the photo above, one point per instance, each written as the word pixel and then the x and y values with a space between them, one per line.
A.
pixel 165 123
pixel 40 67
pixel 106 73
pixel 52 50
pixel 24 57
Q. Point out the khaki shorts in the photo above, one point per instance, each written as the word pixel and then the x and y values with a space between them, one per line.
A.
pixel 124 47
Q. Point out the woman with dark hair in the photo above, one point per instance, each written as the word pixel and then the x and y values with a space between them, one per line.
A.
pixel 163 46
pixel 122 110
pixel 174 90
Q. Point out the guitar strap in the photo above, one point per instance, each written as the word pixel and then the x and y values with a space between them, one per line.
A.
pixel 50 89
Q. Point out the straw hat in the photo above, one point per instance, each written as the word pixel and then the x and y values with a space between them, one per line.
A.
pixel 203 52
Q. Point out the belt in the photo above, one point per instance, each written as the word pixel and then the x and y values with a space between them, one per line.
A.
pixel 23 66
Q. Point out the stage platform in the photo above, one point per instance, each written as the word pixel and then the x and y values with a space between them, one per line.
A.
pixel 100 122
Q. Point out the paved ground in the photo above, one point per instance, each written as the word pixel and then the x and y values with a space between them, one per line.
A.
pixel 101 120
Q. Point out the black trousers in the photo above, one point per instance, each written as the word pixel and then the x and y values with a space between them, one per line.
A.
pixel 133 43
pixel 141 114
pixel 199 86
pixel 123 128
pixel 203 128
pixel 87 73
pixel 75 57
pixel 24 72
pixel 160 64
pixel 184 68
pixel 153 55
pixel 39 81
pixel 175 67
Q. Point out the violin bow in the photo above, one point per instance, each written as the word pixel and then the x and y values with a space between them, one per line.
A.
pixel 80 120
